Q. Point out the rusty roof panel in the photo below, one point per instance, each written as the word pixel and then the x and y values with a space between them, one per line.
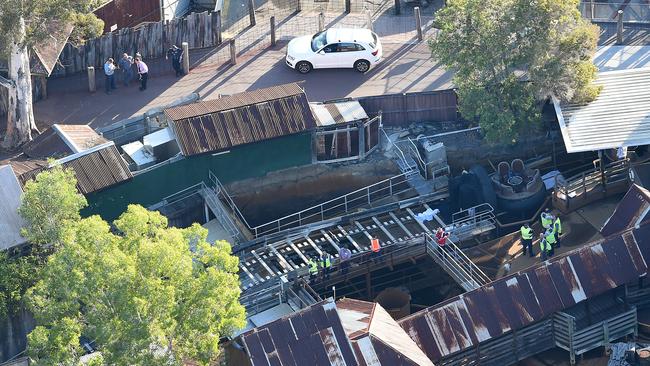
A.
pixel 233 101
pixel 313 336
pixel 262 120
pixel 47 145
pixel 531 295
pixel 632 208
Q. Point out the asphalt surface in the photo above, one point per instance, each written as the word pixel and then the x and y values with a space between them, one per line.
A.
pixel 407 67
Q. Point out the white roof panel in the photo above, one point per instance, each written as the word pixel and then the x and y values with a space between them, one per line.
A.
pixel 158 138
pixel 137 153
pixel 619 117
pixel 351 111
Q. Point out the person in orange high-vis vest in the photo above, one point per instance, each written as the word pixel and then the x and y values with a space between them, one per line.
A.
pixel 375 247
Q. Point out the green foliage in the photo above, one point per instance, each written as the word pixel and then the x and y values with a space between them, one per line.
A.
pixel 16 276
pixel 510 55
pixel 42 18
pixel 50 205
pixel 142 295
pixel 86 26
pixel 57 345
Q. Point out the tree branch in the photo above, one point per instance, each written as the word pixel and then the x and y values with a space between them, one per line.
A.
pixel 7 83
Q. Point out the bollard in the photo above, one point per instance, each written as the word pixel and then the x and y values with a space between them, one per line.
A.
pixel 592 10
pixel 397 7
pixel 273 31
pixel 186 57
pixel 321 21
pixel 218 37
pixel 348 6
pixel 251 12
pixel 369 20
pixel 418 23
pixel 233 52
pixel 619 28
pixel 92 87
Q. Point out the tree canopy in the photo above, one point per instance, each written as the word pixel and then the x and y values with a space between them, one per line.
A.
pixel 49 205
pixel 137 291
pixel 509 56
pixel 86 26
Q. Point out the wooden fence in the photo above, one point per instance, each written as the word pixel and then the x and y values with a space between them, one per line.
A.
pixel 404 109
pixel 151 40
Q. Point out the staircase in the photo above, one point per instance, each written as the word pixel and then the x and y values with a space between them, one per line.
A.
pixel 212 201
pixel 456 264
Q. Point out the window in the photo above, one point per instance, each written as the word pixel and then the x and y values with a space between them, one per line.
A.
pixel 330 48
pixel 318 41
pixel 349 47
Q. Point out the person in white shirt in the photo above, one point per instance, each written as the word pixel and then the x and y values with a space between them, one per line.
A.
pixel 143 71
pixel 109 71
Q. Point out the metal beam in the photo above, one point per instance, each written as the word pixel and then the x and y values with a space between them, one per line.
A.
pixel 383 228
pixel 295 249
pixel 426 229
pixel 329 239
pixel 266 266
pixel 285 263
pixel 347 235
pixel 316 248
pixel 399 223
pixel 364 230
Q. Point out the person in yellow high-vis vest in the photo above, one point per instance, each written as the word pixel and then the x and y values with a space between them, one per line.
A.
pixel 549 235
pixel 557 229
pixel 545 249
pixel 547 219
pixel 527 239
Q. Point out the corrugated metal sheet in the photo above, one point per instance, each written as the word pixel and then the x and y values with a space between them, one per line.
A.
pixel 313 336
pixel 525 297
pixel 620 116
pixel 241 119
pixel 95 169
pixel 62 140
pixel 10 220
pixel 128 13
pixel 328 114
pixel 632 209
pixel 233 101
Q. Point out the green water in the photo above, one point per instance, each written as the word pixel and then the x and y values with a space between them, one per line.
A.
pixel 248 161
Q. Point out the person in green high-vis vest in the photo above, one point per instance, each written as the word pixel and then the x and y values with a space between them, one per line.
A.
pixel 527 239
pixel 545 249
pixel 547 219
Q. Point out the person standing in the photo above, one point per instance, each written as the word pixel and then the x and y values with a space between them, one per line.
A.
pixel 375 247
pixel 143 71
pixel 126 64
pixel 176 55
pixel 545 248
pixel 527 239
pixel 109 71
pixel 549 235
pixel 557 229
pixel 547 219
pixel 313 268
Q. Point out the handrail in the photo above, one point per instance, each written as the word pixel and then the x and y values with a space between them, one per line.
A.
pixel 472 274
pixel 402 156
pixel 416 152
pixel 229 200
pixel 175 197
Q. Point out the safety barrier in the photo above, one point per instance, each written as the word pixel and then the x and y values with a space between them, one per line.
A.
pixel 456 264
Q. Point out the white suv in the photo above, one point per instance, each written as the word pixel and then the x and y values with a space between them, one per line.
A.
pixel 334 48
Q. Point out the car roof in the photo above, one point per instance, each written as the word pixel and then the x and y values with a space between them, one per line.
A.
pixel 349 35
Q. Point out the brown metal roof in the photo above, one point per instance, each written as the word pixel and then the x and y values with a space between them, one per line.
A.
pixel 94 169
pixel 528 296
pixel 632 208
pixel 233 101
pixel 241 119
pixel 58 141
pixel 312 336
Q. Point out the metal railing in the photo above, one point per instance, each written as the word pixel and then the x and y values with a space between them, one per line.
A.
pixel 480 217
pixel 452 259
pixel 400 154
pixel 608 12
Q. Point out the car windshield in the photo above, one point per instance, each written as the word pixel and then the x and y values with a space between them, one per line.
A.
pixel 318 41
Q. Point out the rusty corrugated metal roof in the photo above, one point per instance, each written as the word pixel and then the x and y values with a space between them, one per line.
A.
pixel 241 119
pixel 517 300
pixel 95 169
pixel 62 140
pixel 312 336
pixel 632 208
pixel 233 101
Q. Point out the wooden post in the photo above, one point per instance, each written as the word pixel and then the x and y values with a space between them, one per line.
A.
pixel 348 6
pixel 251 12
pixel 321 21
pixel 219 37
pixel 298 6
pixel 91 79
pixel 186 57
pixel 397 7
pixel 362 140
pixel 273 31
pixel 619 27
pixel 418 23
pixel 43 82
pixel 233 52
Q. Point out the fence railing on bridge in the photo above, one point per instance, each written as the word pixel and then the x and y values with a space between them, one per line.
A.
pixel 608 12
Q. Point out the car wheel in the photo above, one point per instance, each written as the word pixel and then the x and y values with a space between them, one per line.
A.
pixel 303 67
pixel 362 66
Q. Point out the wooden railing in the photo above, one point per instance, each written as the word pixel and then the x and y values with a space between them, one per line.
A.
pixel 592 185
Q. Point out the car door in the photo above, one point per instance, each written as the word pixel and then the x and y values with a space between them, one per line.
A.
pixel 327 57
pixel 349 54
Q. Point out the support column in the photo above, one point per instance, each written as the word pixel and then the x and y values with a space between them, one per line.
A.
pixel 233 52
pixel 218 35
pixel 321 21
pixel 418 23
pixel 92 87
pixel 186 57
pixel 362 140
pixel 273 42
pixel 251 12
pixel 207 212
pixel 397 7
pixel 619 28
pixel 348 6
pixel 603 181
